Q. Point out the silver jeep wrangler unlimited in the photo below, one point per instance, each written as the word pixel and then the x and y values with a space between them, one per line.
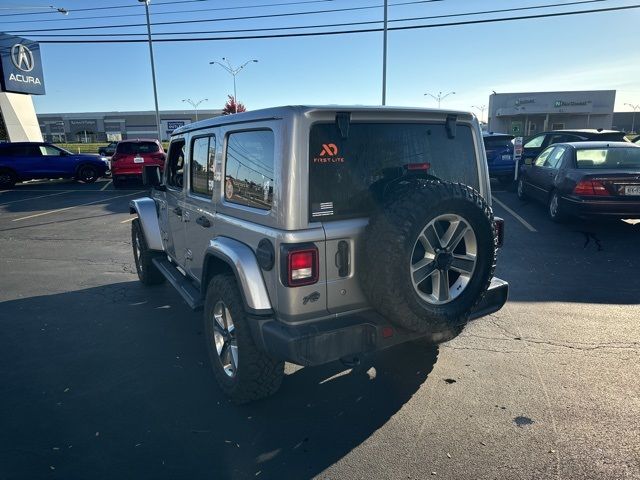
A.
pixel 313 234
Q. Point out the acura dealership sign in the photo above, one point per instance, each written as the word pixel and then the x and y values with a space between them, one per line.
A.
pixel 20 65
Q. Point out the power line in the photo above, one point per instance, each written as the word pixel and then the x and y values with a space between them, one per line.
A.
pixel 266 5
pixel 226 19
pixel 368 30
pixel 348 24
pixel 110 7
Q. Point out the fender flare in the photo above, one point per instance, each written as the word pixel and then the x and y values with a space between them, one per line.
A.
pixel 146 209
pixel 242 261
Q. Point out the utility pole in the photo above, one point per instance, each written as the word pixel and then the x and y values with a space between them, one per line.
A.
pixel 440 96
pixel 233 72
pixel 153 67
pixel 195 104
pixel 384 55
pixel 633 120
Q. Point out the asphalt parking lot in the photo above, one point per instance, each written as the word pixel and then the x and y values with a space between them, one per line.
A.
pixel 104 378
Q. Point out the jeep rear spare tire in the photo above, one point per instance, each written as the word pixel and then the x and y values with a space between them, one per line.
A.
pixel 429 256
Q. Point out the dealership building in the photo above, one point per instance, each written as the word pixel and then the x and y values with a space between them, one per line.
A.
pixel 115 126
pixel 524 114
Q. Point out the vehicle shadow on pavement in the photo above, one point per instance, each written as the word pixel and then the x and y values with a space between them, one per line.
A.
pixel 42 197
pixel 581 260
pixel 114 381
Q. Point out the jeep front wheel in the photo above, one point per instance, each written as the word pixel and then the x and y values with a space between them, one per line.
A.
pixel 429 257
pixel 148 273
pixel 244 372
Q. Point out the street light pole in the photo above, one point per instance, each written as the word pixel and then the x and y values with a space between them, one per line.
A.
pixel 195 104
pixel 633 119
pixel 440 97
pixel 482 108
pixel 153 67
pixel 233 72
pixel 384 55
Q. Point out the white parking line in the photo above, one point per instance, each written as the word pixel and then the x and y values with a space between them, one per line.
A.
pixel 72 207
pixel 33 198
pixel 129 219
pixel 105 186
pixel 526 224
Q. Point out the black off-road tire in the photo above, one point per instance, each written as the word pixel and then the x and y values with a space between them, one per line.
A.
pixel 8 178
pixel 437 338
pixel 258 375
pixel 389 242
pixel 148 273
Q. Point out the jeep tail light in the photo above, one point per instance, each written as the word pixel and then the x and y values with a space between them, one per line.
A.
pixel 302 266
pixel 499 225
pixel 590 187
pixel 418 166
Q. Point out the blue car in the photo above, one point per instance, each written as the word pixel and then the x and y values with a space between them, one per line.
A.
pixel 499 147
pixel 31 160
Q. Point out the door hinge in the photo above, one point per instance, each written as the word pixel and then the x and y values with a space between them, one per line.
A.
pixel 188 254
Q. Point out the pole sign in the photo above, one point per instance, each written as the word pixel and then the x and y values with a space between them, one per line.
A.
pixel 20 65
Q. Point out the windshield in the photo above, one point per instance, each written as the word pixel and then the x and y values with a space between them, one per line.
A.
pixel 347 176
pixel 609 158
pixel 128 148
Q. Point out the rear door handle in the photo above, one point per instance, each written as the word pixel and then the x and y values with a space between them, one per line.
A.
pixel 203 222
pixel 177 211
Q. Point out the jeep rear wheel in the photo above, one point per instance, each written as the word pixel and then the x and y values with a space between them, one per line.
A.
pixel 244 372
pixel 429 257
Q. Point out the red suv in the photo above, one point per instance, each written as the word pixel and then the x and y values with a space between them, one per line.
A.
pixel 131 156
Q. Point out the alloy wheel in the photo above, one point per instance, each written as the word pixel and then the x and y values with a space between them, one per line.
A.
pixel 224 339
pixel 443 259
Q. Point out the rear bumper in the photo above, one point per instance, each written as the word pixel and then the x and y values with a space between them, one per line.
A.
pixel 601 208
pixel 323 341
pixel 501 170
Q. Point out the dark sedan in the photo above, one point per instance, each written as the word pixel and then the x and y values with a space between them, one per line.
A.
pixel 584 179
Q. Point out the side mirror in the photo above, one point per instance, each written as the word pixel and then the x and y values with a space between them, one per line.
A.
pixel 151 176
pixel 528 161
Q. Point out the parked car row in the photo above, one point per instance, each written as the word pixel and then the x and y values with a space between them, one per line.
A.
pixel 20 161
pixel 35 160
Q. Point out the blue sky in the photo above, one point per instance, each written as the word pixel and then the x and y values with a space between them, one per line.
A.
pixel 595 51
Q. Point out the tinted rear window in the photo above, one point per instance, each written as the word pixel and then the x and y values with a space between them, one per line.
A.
pixel 491 143
pixel 128 148
pixel 610 137
pixel 346 175
pixel 609 158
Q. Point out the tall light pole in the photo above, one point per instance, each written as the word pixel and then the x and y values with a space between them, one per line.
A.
pixel 482 108
pixel 195 104
pixel 384 55
pixel 440 96
pixel 153 67
pixel 633 121
pixel 233 72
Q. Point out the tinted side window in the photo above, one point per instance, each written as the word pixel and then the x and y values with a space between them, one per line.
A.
pixel 174 168
pixel 535 142
pixel 553 160
pixel 50 151
pixel 202 158
pixel 249 169
pixel 542 158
